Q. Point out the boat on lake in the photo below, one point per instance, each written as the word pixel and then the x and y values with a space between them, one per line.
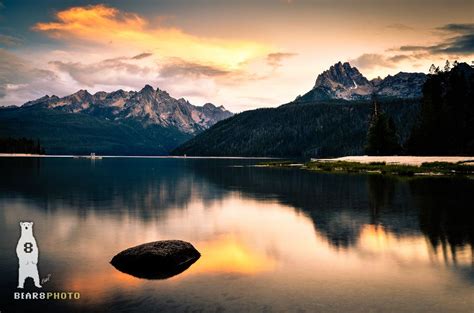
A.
pixel 92 156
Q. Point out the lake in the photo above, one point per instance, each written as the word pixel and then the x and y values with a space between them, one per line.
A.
pixel 272 240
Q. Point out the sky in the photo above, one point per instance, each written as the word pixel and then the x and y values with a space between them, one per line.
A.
pixel 240 54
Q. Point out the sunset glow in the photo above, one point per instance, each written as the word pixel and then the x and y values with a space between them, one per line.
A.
pixel 254 54
pixel 112 29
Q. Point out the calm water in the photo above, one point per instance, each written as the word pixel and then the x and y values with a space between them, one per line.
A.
pixel 271 240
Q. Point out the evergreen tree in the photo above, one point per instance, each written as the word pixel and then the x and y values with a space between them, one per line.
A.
pixel 432 69
pixel 447 66
pixel 446 123
pixel 382 136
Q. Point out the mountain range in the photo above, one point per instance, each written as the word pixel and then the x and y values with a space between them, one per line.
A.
pixel 148 122
pixel 151 122
pixel 332 119
pixel 329 120
pixel 147 106
pixel 342 81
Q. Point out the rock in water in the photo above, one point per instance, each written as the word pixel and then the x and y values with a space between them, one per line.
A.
pixel 156 260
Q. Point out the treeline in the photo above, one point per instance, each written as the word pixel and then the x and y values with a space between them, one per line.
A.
pixel 313 129
pixel 76 134
pixel 21 145
pixel 445 125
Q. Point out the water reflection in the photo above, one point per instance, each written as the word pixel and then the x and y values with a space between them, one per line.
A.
pixel 277 239
pixel 447 217
pixel 343 207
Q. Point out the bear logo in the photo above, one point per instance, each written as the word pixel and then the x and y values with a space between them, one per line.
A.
pixel 27 252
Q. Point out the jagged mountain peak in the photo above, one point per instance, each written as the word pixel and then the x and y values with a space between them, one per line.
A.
pixel 81 95
pixel 40 100
pixel 81 92
pixel 100 94
pixel 210 105
pixel 343 81
pixel 147 106
pixel 341 75
pixel 147 89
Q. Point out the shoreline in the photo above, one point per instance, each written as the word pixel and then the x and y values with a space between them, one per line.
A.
pixel 24 155
pixel 407 166
pixel 400 160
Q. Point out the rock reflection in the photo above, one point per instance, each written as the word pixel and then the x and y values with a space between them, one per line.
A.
pixel 159 273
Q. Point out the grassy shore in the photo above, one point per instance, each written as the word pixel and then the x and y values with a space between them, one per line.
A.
pixel 381 168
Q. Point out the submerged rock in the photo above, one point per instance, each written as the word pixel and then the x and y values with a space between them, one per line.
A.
pixel 156 260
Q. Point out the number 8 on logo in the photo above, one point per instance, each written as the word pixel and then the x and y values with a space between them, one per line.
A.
pixel 28 247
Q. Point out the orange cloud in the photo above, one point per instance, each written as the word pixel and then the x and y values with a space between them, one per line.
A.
pixel 79 21
pixel 107 26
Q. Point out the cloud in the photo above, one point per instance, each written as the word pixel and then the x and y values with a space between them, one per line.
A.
pixel 457 40
pixel 9 41
pixel 460 41
pixel 179 67
pixel 80 22
pixel 106 48
pixel 115 71
pixel 130 71
pixel 275 59
pixel 142 56
pixel 458 28
pixel 109 27
pixel 412 48
pixel 373 60
pixel 192 71
pixel 395 59
pixel 370 61
pixel 20 80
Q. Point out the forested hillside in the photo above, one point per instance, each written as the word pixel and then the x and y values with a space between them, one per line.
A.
pixel 77 133
pixel 300 129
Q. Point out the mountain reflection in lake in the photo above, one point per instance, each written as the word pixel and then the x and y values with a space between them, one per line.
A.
pixel 271 240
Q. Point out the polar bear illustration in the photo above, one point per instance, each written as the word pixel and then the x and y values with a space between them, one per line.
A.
pixel 27 252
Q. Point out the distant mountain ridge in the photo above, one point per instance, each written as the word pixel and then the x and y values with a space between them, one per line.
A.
pixel 147 106
pixel 433 118
pixel 145 122
pixel 329 120
pixel 342 81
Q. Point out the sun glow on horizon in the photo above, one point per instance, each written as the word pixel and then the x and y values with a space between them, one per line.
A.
pixel 106 26
pixel 243 55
